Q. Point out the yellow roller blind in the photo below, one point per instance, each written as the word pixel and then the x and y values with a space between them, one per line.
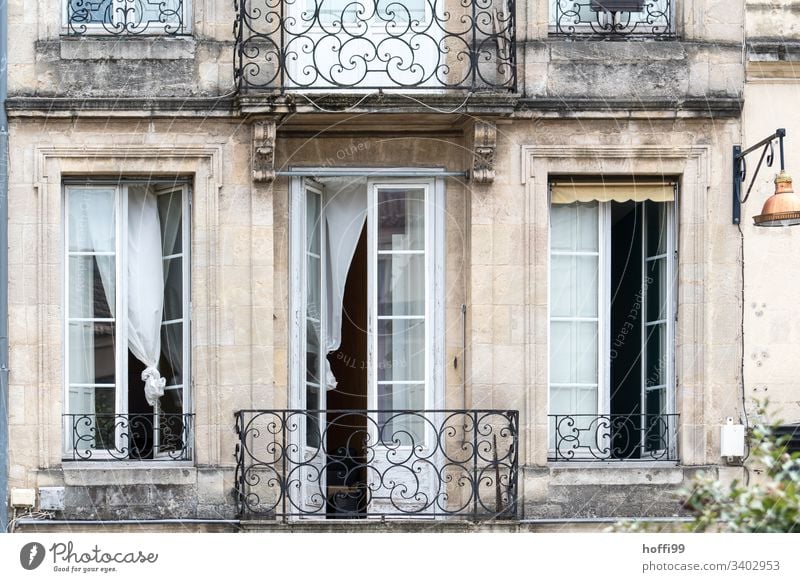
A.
pixel 569 192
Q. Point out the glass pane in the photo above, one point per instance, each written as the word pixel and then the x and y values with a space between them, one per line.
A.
pixel 173 289
pixel 656 366
pixel 656 228
pixel 312 223
pixel 656 432
pixel 401 350
pixel 401 284
pixel 401 219
pixel 91 353
pixel 313 287
pixel 171 421
pixel 563 227
pixel 405 428
pixel 86 12
pixel 573 352
pixel 574 281
pixel 170 366
pixel 656 289
pixel 312 353
pixel 170 211
pixel 313 429
pixel 588 238
pixel 92 219
pixel 88 298
pixel 157 11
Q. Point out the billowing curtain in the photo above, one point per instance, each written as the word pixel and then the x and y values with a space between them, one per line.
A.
pixel 145 288
pixel 345 213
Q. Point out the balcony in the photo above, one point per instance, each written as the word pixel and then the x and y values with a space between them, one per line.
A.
pixel 128 437
pixel 368 45
pixel 613 437
pixel 376 463
pixel 613 19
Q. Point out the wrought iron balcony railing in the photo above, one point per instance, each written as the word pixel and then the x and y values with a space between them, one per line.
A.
pixel 128 437
pixel 359 463
pixel 126 17
pixel 613 437
pixel 302 45
pixel 613 19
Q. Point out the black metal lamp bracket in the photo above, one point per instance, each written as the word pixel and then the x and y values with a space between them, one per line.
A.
pixel 740 168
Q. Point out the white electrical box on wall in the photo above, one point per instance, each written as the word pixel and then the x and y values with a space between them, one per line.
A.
pixel 23 497
pixel 732 440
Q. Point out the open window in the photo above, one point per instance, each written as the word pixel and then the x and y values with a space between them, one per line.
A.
pixel 612 314
pixel 366 299
pixel 126 310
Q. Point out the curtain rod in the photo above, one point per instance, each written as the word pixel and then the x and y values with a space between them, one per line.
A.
pixel 388 173
pixel 76 181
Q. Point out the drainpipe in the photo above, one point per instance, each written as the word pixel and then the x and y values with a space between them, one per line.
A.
pixel 3 266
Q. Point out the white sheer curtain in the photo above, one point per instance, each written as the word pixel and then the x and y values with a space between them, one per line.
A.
pixel 145 288
pixel 345 213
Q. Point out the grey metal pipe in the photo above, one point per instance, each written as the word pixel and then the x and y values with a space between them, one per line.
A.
pixel 3 266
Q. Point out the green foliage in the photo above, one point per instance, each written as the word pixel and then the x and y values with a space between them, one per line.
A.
pixel 770 503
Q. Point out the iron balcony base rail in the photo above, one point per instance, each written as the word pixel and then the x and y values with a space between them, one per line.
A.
pixel 613 437
pixel 128 437
pixel 355 464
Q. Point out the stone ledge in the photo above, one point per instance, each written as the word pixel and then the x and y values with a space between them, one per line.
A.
pixel 100 473
pixel 617 475
pixel 124 48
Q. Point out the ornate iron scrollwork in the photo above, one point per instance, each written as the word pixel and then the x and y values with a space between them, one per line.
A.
pixel 126 17
pixel 375 44
pixel 617 19
pixel 365 463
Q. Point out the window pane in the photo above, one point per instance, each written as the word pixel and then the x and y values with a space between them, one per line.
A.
pixel 312 223
pixel 170 211
pixel 173 289
pixel 313 429
pixel 88 298
pixel 656 289
pixel 401 219
pixel 313 289
pixel 573 352
pixel 656 228
pixel 92 220
pixel 563 227
pixel 588 227
pixel 656 429
pixel 171 421
pixel 656 366
pixel 405 429
pixel 312 353
pixel 170 365
pixel 574 281
pixel 401 350
pixel 157 11
pixel 401 284
pixel 88 11
pixel 91 353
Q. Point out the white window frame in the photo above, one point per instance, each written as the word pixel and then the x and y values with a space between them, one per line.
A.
pixel 151 28
pixel 121 335
pixel 435 260
pixel 604 316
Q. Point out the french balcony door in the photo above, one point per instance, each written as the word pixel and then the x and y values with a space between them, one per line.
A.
pixel 401 281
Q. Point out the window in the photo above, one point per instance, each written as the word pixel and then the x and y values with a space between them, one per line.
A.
pixel 612 18
pixel 132 17
pixel 126 282
pixel 612 256
pixel 367 319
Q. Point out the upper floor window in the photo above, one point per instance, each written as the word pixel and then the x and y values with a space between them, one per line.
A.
pixel 612 320
pixel 612 19
pixel 126 305
pixel 126 17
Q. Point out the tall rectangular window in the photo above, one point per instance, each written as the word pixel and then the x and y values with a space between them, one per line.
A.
pixel 612 257
pixel 126 322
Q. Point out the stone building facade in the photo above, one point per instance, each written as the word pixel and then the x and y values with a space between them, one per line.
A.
pixel 524 219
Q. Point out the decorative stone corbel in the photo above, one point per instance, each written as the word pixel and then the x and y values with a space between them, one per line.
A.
pixel 264 151
pixel 483 149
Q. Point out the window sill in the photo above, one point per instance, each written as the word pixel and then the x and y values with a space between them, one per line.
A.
pixel 126 48
pixel 130 473
pixel 617 472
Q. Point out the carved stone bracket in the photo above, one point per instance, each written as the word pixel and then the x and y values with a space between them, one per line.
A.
pixel 483 149
pixel 264 151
